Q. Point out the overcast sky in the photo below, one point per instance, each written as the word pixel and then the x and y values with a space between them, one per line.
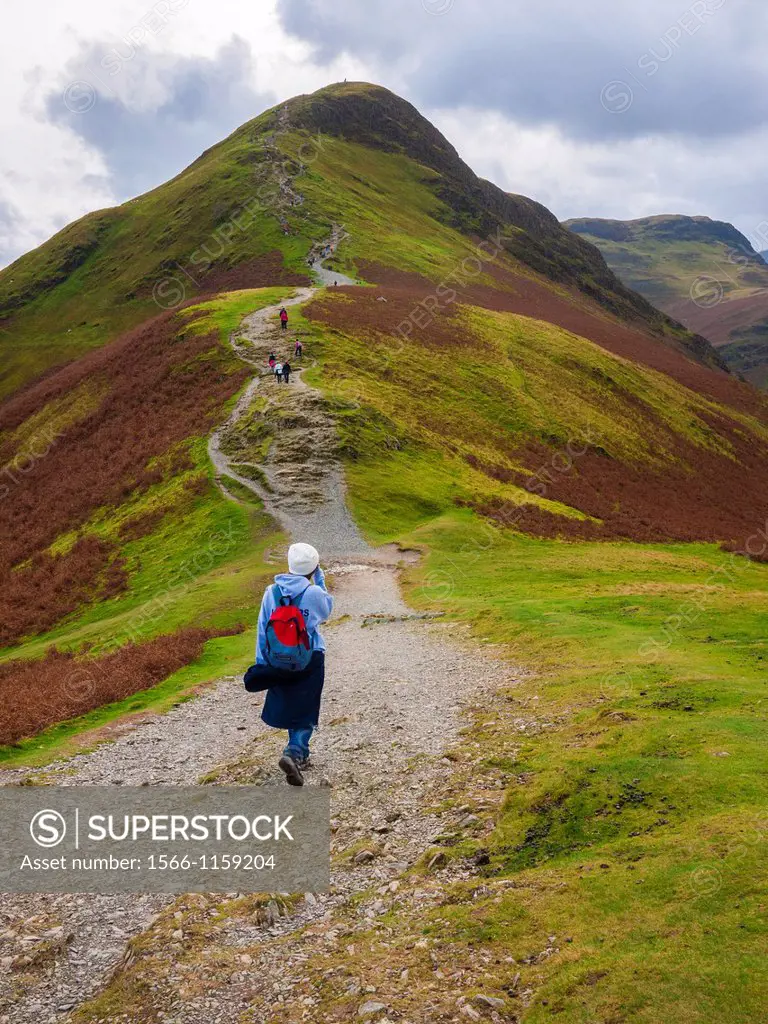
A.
pixel 601 108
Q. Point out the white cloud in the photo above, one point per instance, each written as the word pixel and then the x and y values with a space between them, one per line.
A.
pixel 634 178
pixel 46 180
pixel 696 69
pixel 53 170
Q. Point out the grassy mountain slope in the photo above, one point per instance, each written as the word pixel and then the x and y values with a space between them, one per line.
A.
pixel 570 471
pixel 485 407
pixel 370 162
pixel 503 331
pixel 704 273
pixel 616 874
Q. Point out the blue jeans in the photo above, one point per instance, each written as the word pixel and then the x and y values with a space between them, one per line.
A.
pixel 298 743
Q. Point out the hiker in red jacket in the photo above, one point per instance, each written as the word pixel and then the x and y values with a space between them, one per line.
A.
pixel 284 318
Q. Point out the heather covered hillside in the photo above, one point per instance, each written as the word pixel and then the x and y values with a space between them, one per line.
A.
pixel 114 532
pixel 483 401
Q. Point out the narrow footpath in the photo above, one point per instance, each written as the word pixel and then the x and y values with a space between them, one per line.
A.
pixel 397 693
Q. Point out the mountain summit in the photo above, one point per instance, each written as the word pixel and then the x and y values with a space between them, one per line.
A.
pixel 367 160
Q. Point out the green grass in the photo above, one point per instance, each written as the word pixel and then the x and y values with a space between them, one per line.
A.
pixel 226 312
pixel 411 415
pixel 633 821
pixel 639 831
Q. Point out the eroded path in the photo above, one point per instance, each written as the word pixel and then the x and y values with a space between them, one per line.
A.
pixel 398 689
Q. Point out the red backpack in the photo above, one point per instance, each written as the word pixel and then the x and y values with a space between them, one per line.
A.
pixel 287 637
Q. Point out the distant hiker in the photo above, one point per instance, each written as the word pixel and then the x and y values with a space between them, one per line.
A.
pixel 272 360
pixel 335 284
pixel 284 318
pixel 290 655
pixel 278 372
pixel 286 371
pixel 298 349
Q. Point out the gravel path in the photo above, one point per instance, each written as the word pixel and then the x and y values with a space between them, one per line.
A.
pixel 301 482
pixel 397 692
pixel 289 198
pixel 395 698
pixel 326 275
pixel 397 688
pixel 305 488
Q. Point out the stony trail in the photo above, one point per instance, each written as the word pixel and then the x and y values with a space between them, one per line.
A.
pixel 289 198
pixel 301 482
pixel 397 690
pixel 326 275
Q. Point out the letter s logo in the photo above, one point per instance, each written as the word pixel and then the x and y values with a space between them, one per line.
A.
pixel 48 828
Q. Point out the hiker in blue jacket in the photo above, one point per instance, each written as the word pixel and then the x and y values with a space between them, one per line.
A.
pixel 293 701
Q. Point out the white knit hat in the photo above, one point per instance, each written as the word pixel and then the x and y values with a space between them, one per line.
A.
pixel 302 559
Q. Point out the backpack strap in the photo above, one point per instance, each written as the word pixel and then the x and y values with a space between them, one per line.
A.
pixel 282 599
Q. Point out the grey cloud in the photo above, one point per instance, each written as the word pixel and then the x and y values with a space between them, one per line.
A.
pixel 151 114
pixel 364 30
pixel 608 71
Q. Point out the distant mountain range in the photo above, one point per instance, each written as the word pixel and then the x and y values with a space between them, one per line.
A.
pixel 702 272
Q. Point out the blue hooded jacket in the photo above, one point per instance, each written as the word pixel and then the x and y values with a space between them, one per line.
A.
pixel 296 704
pixel 316 605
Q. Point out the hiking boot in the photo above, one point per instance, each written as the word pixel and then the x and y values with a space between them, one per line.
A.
pixel 291 769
